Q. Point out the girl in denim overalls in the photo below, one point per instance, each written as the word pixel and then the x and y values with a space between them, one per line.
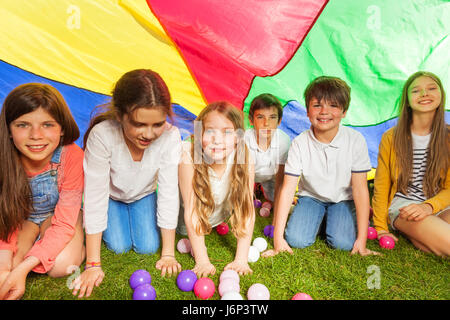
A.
pixel 41 183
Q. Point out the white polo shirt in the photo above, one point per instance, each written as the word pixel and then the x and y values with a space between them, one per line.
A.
pixel 111 172
pixel 267 162
pixel 325 170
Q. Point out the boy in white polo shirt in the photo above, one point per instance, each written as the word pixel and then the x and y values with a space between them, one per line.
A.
pixel 267 144
pixel 332 162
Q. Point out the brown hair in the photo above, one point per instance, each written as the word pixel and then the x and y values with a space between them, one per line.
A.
pixel 265 101
pixel 439 146
pixel 15 193
pixel 239 194
pixel 329 88
pixel 139 88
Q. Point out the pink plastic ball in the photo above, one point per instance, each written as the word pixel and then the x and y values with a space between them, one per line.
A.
pixel 184 245
pixel 204 288
pixel 372 233
pixel 301 296
pixel 229 274
pixel 258 291
pixel 228 285
pixel 387 242
pixel 267 205
pixel 222 229
pixel 264 212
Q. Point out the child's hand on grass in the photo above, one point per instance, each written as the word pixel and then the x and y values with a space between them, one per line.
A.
pixel 85 282
pixel 169 265
pixel 240 266
pixel 204 269
pixel 360 247
pixel 279 246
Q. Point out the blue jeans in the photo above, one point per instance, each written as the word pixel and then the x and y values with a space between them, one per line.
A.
pixel 132 225
pixel 304 223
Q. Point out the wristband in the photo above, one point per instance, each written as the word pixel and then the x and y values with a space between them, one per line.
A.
pixel 92 265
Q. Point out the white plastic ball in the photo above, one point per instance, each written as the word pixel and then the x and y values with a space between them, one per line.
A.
pixel 231 295
pixel 253 254
pixel 260 244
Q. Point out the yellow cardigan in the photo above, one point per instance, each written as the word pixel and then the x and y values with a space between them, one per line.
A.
pixel 386 177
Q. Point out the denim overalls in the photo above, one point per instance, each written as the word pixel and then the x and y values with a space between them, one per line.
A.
pixel 44 188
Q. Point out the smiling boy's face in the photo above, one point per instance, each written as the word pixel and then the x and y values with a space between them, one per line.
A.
pixel 325 116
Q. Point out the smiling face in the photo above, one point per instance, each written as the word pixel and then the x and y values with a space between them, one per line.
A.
pixel 325 116
pixel 36 135
pixel 219 137
pixel 424 95
pixel 142 127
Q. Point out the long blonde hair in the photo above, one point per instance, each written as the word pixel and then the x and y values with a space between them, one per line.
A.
pixel 239 194
pixel 439 146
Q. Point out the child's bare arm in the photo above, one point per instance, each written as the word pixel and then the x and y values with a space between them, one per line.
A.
pixel 362 205
pixel 286 195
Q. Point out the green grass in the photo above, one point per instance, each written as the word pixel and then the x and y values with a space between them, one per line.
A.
pixel 322 272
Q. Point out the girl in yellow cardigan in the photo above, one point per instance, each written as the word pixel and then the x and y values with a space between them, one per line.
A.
pixel 412 182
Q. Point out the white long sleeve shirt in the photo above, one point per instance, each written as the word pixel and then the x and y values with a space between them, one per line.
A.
pixel 111 172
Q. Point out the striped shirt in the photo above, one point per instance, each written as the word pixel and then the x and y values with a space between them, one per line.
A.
pixel 420 158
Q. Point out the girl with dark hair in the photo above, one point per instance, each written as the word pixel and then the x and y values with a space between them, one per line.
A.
pixel 130 150
pixel 41 185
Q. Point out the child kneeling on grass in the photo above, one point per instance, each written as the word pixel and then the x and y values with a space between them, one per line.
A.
pixel 332 162
pixel 267 144
pixel 216 183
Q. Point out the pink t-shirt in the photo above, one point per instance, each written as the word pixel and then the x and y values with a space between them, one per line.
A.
pixel 62 229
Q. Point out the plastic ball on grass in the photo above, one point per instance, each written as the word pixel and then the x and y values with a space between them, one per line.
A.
pixel 232 296
pixel 140 277
pixel 222 229
pixel 372 233
pixel 302 296
pixel 264 212
pixel 184 245
pixel 258 291
pixel 387 242
pixel 229 274
pixel 228 285
pixel 257 203
pixel 253 254
pixel 204 288
pixel 186 280
pixel 260 244
pixel 144 292
pixel 267 205
pixel 268 231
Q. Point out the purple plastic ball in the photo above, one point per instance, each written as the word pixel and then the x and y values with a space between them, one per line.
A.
pixel 140 277
pixel 257 203
pixel 268 231
pixel 186 280
pixel 144 292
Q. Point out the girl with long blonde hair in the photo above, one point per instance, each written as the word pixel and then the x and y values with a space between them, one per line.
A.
pixel 216 183
pixel 412 182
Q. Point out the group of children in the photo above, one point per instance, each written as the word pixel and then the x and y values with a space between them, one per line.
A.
pixel 136 184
